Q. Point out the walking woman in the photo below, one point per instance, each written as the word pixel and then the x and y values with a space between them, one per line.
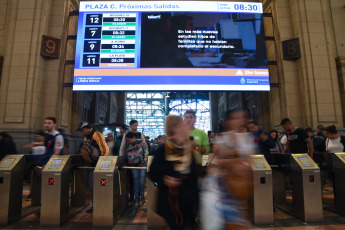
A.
pixel 174 171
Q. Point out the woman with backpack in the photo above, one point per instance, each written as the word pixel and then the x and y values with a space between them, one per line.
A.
pixel 136 155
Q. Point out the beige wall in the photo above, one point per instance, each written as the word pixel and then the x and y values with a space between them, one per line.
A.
pixel 32 86
pixel 308 90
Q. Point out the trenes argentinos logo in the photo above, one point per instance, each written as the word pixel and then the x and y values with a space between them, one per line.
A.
pixel 243 80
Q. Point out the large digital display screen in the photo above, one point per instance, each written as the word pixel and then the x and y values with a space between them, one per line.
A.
pixel 170 45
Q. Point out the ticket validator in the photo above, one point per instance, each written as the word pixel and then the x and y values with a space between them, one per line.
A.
pixel 11 187
pixel 106 192
pixel 55 191
pixel 339 182
pixel 262 202
pixel 306 188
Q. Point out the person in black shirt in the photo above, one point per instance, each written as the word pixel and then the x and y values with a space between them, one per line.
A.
pixel 262 139
pixel 7 145
pixel 298 139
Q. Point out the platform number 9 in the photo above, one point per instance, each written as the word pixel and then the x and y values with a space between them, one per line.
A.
pixel 50 46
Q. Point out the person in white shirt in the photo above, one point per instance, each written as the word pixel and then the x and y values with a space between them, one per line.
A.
pixel 111 143
pixel 334 143
pixel 37 149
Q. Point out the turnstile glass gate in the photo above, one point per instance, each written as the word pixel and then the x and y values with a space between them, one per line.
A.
pixel 339 182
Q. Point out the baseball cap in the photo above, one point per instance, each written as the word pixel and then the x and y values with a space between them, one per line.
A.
pixel 83 124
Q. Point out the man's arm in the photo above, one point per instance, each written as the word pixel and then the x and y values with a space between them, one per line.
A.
pixel 310 148
pixel 287 148
pixel 205 145
pixel 59 143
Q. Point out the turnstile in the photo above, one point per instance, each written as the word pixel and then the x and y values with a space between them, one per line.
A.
pixel 339 182
pixel 11 188
pixel 262 202
pixel 280 165
pixel 106 192
pixel 55 191
pixel 153 219
pixel 306 188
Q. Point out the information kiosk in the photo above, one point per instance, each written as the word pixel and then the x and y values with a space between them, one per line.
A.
pixel 306 188
pixel 154 221
pixel 55 191
pixel 11 188
pixel 339 182
pixel 262 203
pixel 106 192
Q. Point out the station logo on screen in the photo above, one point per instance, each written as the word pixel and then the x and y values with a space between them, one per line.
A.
pixel 165 45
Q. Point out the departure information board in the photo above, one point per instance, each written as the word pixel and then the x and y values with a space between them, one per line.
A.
pixel 166 45
pixel 110 40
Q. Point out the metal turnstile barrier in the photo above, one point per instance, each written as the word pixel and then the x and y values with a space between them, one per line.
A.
pixel 306 188
pixel 31 161
pixel 339 182
pixel 262 202
pixel 280 165
pixel 80 183
pixel 105 192
pixel 55 191
pixel 11 188
pixel 153 219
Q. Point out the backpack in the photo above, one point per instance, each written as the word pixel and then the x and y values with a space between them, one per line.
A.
pixel 135 154
pixel 90 153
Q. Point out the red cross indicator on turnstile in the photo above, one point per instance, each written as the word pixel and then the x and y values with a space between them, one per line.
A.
pixel 103 182
pixel 51 181
pixel 311 178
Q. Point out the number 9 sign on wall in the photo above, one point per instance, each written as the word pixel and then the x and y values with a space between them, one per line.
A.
pixel 50 47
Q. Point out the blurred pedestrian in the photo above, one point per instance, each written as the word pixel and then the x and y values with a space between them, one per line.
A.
pixel 37 149
pixel 174 171
pixel 7 145
pixel 278 148
pixel 233 150
pixel 262 139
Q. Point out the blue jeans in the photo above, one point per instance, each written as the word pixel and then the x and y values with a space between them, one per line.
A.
pixel 139 182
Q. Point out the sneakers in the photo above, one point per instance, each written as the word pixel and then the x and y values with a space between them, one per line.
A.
pixel 143 201
pixel 90 210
